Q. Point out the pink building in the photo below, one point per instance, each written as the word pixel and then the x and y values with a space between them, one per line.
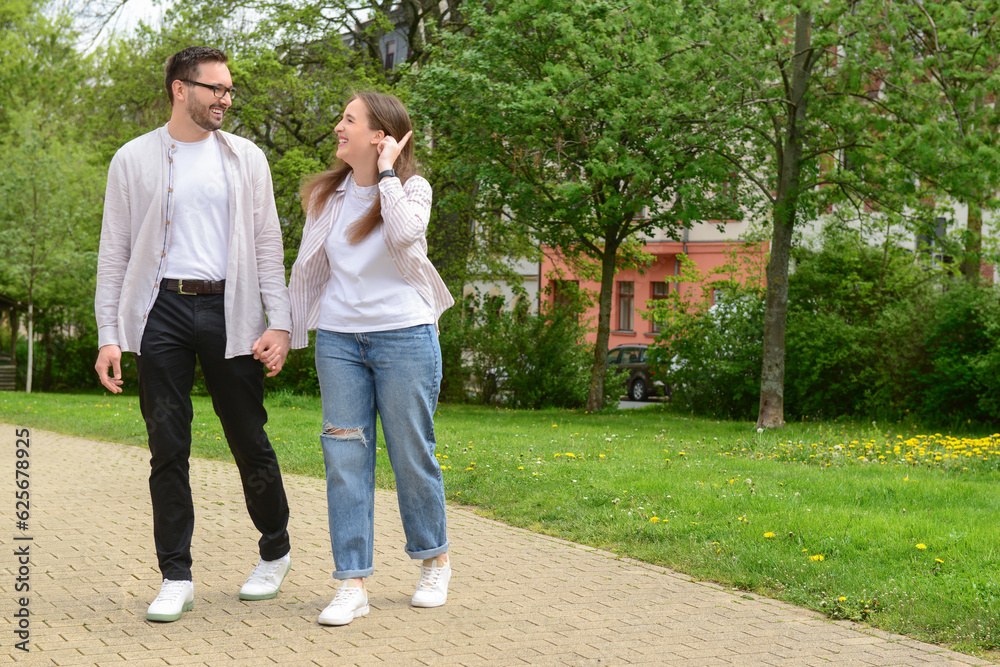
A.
pixel 705 245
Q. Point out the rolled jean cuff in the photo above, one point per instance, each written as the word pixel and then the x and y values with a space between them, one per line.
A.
pixel 353 574
pixel 428 553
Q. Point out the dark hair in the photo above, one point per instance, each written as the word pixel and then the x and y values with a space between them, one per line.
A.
pixel 386 113
pixel 184 65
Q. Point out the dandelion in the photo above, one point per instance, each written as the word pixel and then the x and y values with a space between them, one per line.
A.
pixel 759 430
pixel 654 519
pixel 768 534
pixel 817 557
pixel 938 560
pixel 921 546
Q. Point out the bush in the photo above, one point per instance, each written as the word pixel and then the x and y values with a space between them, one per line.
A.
pixel 958 377
pixel 712 360
pixel 62 363
pixel 850 315
pixel 298 375
pixel 492 355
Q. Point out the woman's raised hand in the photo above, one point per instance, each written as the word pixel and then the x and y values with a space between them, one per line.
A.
pixel 389 149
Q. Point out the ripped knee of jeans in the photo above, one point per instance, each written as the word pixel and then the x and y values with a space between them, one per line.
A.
pixel 337 433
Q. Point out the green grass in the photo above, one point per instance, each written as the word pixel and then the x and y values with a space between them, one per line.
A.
pixel 908 542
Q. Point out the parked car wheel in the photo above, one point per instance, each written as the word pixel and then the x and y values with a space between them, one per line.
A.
pixel 638 391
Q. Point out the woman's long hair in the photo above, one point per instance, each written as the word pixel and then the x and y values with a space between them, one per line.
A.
pixel 386 113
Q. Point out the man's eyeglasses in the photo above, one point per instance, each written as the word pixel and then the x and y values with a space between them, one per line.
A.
pixel 219 90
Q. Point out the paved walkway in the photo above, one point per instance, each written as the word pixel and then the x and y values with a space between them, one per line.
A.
pixel 517 598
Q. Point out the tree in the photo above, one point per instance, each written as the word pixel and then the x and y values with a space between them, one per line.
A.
pixel 49 186
pixel 958 45
pixel 573 117
pixel 815 96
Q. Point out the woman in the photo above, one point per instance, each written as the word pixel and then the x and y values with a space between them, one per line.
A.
pixel 362 278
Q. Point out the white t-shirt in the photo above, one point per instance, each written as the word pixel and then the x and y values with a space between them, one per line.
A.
pixel 366 292
pixel 199 228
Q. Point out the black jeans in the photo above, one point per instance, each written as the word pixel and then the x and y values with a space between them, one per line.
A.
pixel 180 327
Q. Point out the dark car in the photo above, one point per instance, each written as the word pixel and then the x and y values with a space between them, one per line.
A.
pixel 632 358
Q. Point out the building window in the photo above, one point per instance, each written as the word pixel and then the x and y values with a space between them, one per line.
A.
pixel 626 300
pixel 659 292
pixel 390 54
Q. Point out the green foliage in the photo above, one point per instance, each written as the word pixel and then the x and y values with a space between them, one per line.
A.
pixel 846 299
pixel 712 361
pixel 874 332
pixel 512 357
pixel 956 378
pixel 50 186
pixel 574 118
pixel 709 345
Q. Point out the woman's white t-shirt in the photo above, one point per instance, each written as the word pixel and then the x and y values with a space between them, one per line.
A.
pixel 366 291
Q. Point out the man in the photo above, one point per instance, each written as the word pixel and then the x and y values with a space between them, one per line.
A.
pixel 190 250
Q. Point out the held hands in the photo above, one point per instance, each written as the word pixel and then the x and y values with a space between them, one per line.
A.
pixel 271 349
pixel 388 150
pixel 110 356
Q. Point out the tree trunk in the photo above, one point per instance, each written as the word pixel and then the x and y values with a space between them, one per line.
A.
pixel 772 379
pixel 972 262
pixel 595 401
pixel 13 335
pixel 31 347
pixel 47 368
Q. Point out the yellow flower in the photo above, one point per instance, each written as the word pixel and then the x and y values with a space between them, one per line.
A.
pixel 655 519
pixel 938 560
pixel 816 557
pixel 768 534
pixel 841 599
pixel 921 546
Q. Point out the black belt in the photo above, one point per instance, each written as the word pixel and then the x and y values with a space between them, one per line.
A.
pixel 185 286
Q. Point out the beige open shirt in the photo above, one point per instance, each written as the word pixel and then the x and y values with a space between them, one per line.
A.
pixel 135 237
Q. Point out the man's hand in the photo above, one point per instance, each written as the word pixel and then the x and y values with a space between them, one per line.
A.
pixel 271 349
pixel 110 356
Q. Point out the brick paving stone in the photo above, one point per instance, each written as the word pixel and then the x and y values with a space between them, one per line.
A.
pixel 94 573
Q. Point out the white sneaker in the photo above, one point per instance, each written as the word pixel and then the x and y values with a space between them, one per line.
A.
pixel 351 602
pixel 265 580
pixel 175 598
pixel 432 591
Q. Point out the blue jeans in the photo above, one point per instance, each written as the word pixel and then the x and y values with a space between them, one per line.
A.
pixel 396 375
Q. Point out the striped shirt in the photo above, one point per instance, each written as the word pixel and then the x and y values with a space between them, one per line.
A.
pixel 406 210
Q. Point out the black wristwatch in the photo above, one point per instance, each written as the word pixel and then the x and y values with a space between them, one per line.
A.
pixel 388 173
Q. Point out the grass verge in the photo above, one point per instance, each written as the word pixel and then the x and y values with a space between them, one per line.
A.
pixel 875 523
